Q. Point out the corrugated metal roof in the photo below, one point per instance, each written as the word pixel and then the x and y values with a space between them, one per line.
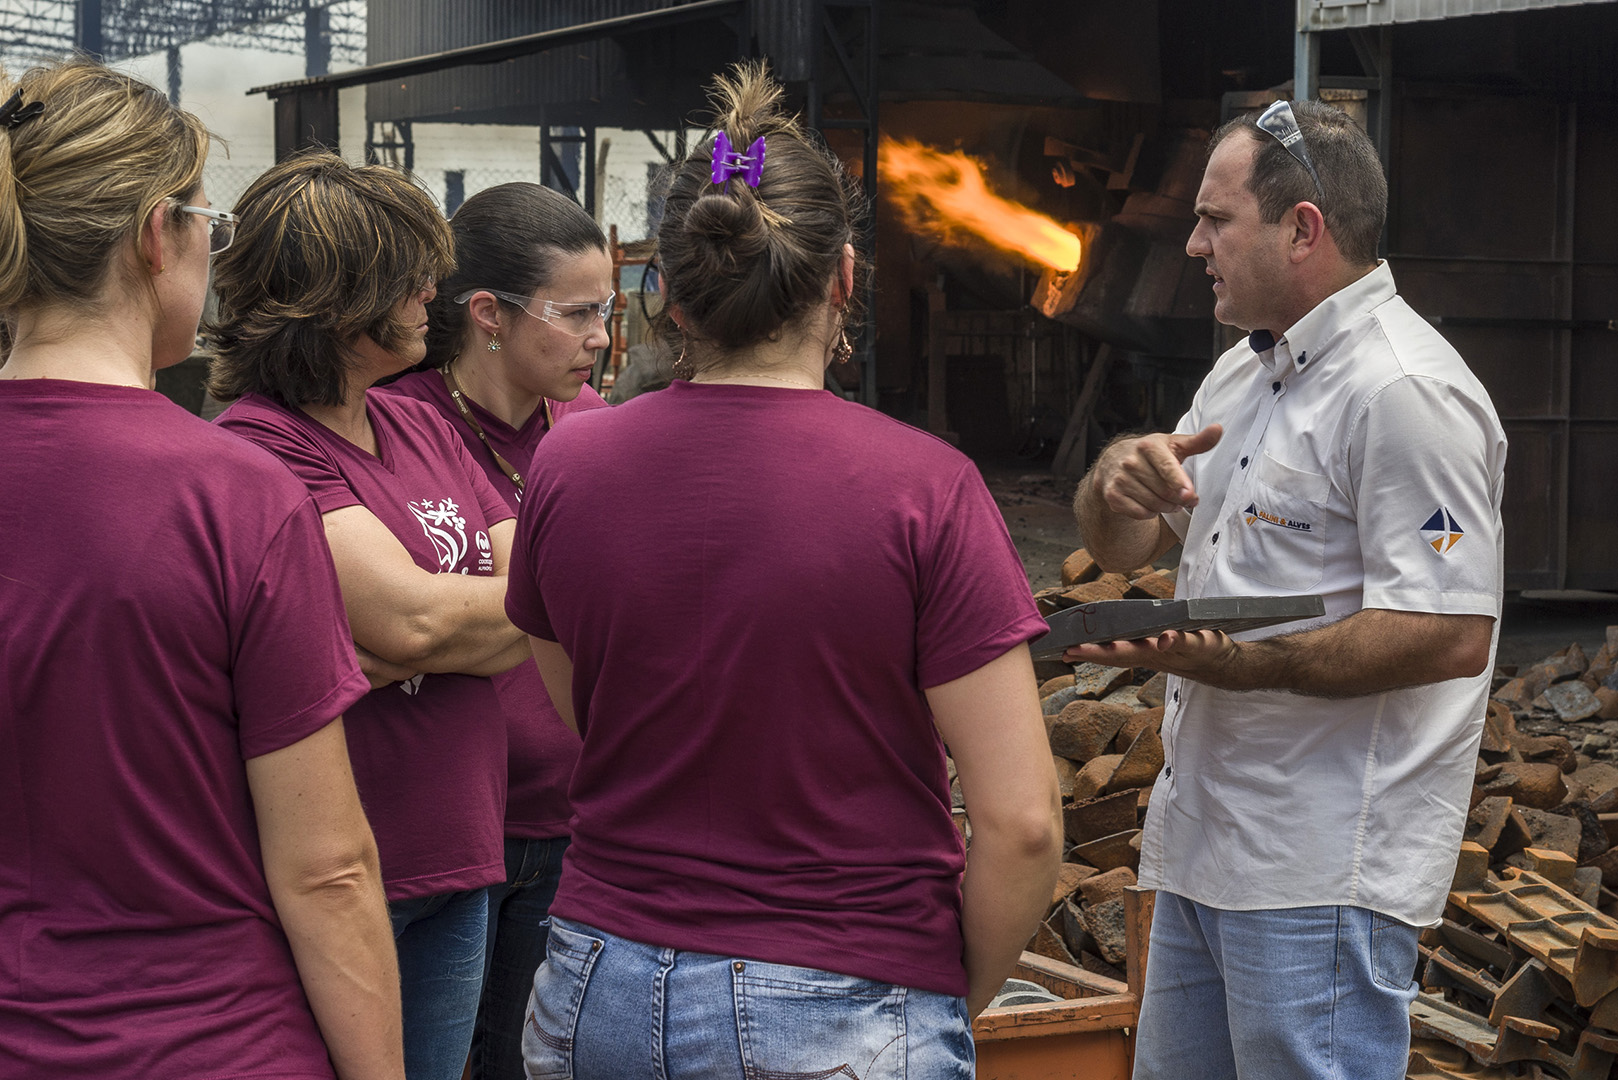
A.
pixel 402 28
pixel 1344 14
pixel 929 49
pixel 651 78
pixel 785 33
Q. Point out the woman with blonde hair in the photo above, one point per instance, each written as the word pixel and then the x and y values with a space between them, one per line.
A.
pixel 807 602
pixel 323 294
pixel 512 339
pixel 188 886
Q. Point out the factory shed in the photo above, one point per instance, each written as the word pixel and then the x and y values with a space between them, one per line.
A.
pixel 1498 122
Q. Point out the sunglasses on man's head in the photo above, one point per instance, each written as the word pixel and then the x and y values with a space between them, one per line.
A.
pixel 1278 120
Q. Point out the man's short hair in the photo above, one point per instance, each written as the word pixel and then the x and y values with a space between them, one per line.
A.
pixel 1354 192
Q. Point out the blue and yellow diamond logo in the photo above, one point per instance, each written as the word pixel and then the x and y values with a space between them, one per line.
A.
pixel 1442 531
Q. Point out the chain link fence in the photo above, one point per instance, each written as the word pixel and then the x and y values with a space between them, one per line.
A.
pixel 455 165
pixel 225 181
pixel 621 200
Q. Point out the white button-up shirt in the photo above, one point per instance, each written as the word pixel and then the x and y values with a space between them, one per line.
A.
pixel 1361 460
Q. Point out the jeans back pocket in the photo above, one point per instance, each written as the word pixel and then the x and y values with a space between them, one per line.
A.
pixel 800 1023
pixel 553 1007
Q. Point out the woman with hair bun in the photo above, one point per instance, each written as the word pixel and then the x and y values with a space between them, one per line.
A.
pixel 805 602
pixel 323 294
pixel 188 886
pixel 511 342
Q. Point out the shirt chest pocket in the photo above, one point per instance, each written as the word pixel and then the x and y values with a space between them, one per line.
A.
pixel 1280 532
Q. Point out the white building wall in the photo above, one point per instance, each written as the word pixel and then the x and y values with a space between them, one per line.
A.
pixel 215 79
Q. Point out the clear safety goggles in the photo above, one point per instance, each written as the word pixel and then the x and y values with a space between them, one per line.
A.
pixel 576 318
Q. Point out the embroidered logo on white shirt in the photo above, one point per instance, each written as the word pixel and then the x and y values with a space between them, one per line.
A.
pixel 1255 515
pixel 1442 531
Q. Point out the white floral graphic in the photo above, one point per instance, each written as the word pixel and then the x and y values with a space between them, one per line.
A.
pixel 445 527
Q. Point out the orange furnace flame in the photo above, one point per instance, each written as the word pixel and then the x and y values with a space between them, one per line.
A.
pixel 946 194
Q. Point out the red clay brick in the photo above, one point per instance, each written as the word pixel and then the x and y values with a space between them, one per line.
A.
pixel 1092 592
pixel 1108 886
pixel 1154 586
pixel 1078 568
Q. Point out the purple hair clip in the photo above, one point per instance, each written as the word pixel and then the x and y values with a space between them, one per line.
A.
pixel 728 162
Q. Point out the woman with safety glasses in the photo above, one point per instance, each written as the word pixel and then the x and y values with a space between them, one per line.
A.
pixel 323 294
pixel 188 886
pixel 511 341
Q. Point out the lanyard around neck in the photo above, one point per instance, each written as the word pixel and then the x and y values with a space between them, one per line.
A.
pixel 461 406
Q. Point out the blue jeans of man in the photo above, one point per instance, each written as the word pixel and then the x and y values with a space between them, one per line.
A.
pixel 518 909
pixel 440 943
pixel 607 1008
pixel 1315 993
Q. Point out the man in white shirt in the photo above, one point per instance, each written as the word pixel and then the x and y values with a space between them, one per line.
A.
pixel 1316 777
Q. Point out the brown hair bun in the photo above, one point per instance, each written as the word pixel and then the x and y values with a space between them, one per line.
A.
pixel 743 263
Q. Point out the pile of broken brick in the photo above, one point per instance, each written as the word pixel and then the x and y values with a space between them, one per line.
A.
pixel 1521 977
pixel 1564 687
pixel 1104 725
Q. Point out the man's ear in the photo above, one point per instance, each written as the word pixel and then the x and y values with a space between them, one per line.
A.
pixel 1308 230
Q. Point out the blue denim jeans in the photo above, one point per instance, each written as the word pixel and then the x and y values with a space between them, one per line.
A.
pixel 440 943
pixel 606 1008
pixel 1292 994
pixel 518 909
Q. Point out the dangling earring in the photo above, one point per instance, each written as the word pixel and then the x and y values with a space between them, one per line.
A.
pixel 843 351
pixel 494 344
pixel 683 368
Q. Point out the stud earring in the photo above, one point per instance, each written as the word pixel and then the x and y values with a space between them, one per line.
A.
pixel 494 344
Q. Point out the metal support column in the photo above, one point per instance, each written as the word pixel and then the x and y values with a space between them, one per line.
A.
pixel 174 74
pixel 305 118
pixel 554 172
pixel 87 31
pixel 1305 65
pixel 391 143
pixel 316 41
pixel 1374 47
pixel 845 59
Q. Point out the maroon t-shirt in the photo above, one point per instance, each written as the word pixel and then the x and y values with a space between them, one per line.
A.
pixel 755 586
pixel 542 750
pixel 429 754
pixel 169 610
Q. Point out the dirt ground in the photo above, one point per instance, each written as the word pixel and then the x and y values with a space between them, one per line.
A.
pixel 1038 511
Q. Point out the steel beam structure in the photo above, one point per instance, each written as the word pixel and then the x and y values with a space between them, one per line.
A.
pixel 495 52
pixel 36 30
pixel 845 65
pixel 310 105
pixel 1305 65
pixel 553 172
